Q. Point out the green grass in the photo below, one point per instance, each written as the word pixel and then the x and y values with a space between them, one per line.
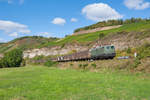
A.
pixel 43 83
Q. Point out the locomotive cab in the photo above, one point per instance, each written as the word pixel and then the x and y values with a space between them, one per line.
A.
pixel 103 52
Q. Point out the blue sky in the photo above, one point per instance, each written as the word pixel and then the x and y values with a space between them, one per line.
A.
pixel 57 18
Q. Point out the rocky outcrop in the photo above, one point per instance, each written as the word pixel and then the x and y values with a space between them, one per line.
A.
pixel 124 40
pixel 53 51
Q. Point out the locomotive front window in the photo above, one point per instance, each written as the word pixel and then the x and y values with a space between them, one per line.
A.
pixel 107 47
pixel 112 47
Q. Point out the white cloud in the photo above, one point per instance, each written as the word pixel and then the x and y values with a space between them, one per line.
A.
pixel 1 39
pixel 10 27
pixel 100 12
pixel 59 21
pixel 9 1
pixel 15 34
pixel 136 4
pixel 21 1
pixel 13 1
pixel 45 34
pixel 74 20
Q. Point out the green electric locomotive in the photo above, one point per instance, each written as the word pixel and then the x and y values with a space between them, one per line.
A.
pixel 103 52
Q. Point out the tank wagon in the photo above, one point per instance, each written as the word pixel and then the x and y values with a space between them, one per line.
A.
pixel 100 52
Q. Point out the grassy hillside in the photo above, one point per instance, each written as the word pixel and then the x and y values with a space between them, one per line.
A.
pixel 24 43
pixel 91 37
pixel 111 23
pixel 42 83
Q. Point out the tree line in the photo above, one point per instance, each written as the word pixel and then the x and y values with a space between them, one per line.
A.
pixel 113 22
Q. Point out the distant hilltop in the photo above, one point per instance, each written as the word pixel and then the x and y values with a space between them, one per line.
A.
pixel 97 29
pixel 107 25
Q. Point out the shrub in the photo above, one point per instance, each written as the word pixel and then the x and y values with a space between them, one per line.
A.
pixel 94 65
pixel 23 63
pixel 12 58
pixel 38 57
pixel 1 64
pixel 101 35
pixel 80 65
pixel 129 50
pixel 85 65
pixel 144 51
pixel 63 45
pixel 50 63
pixel 136 63
pixel 71 65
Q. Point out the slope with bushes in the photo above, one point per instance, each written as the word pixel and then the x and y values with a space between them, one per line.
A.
pixel 24 43
pixel 111 23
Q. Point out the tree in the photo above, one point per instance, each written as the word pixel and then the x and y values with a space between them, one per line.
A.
pixel 12 58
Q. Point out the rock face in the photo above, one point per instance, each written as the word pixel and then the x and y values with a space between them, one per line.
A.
pixel 97 29
pixel 124 40
pixel 53 51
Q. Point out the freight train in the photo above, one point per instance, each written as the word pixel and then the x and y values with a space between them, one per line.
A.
pixel 100 52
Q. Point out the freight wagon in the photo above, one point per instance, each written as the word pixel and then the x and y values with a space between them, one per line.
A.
pixel 100 52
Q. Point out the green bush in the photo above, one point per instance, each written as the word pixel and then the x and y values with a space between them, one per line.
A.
pixel 94 65
pixel 136 63
pixel 85 65
pixel 101 35
pixel 129 50
pixel 144 51
pixel 1 64
pixel 23 63
pixel 50 63
pixel 71 65
pixel 38 57
pixel 80 65
pixel 12 58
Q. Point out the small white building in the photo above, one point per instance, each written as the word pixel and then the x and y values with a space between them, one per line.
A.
pixel 135 54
